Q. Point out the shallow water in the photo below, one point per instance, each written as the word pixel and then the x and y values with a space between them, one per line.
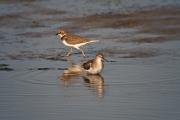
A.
pixel 140 80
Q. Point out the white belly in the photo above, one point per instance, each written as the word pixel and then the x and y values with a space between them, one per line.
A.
pixel 65 43
pixel 73 45
pixel 96 70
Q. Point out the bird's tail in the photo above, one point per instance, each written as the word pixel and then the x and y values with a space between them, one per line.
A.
pixel 93 41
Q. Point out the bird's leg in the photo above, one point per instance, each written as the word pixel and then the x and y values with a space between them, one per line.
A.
pixel 69 52
pixel 82 51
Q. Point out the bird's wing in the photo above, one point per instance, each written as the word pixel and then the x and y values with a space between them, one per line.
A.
pixel 75 39
pixel 87 65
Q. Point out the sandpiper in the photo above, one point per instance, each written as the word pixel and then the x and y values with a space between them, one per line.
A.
pixel 94 66
pixel 73 41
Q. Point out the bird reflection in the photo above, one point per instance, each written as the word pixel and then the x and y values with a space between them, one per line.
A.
pixel 73 71
pixel 70 74
pixel 74 75
pixel 96 82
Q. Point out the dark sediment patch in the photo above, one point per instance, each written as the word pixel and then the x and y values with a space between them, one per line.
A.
pixel 17 20
pixel 5 20
pixel 35 24
pixel 143 38
pixel 32 17
pixel 4 67
pixel 16 1
pixel 164 21
pixel 130 53
pixel 162 16
pixel 150 40
pixel 37 34
pixel 41 10
pixel 94 21
pixel 46 68
pixel 37 55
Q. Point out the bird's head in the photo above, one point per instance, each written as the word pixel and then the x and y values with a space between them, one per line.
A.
pixel 100 56
pixel 61 33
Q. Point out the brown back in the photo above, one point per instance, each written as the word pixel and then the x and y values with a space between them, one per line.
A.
pixel 74 39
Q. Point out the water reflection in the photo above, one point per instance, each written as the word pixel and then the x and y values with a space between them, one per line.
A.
pixel 74 75
pixel 95 82
pixel 70 75
pixel 67 80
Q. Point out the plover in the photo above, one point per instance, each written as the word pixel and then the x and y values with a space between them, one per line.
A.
pixel 94 66
pixel 73 41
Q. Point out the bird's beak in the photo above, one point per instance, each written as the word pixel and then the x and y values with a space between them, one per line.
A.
pixel 57 33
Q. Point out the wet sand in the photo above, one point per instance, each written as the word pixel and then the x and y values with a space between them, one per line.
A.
pixel 140 80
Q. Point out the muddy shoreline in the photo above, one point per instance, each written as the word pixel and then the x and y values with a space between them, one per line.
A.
pixel 152 26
